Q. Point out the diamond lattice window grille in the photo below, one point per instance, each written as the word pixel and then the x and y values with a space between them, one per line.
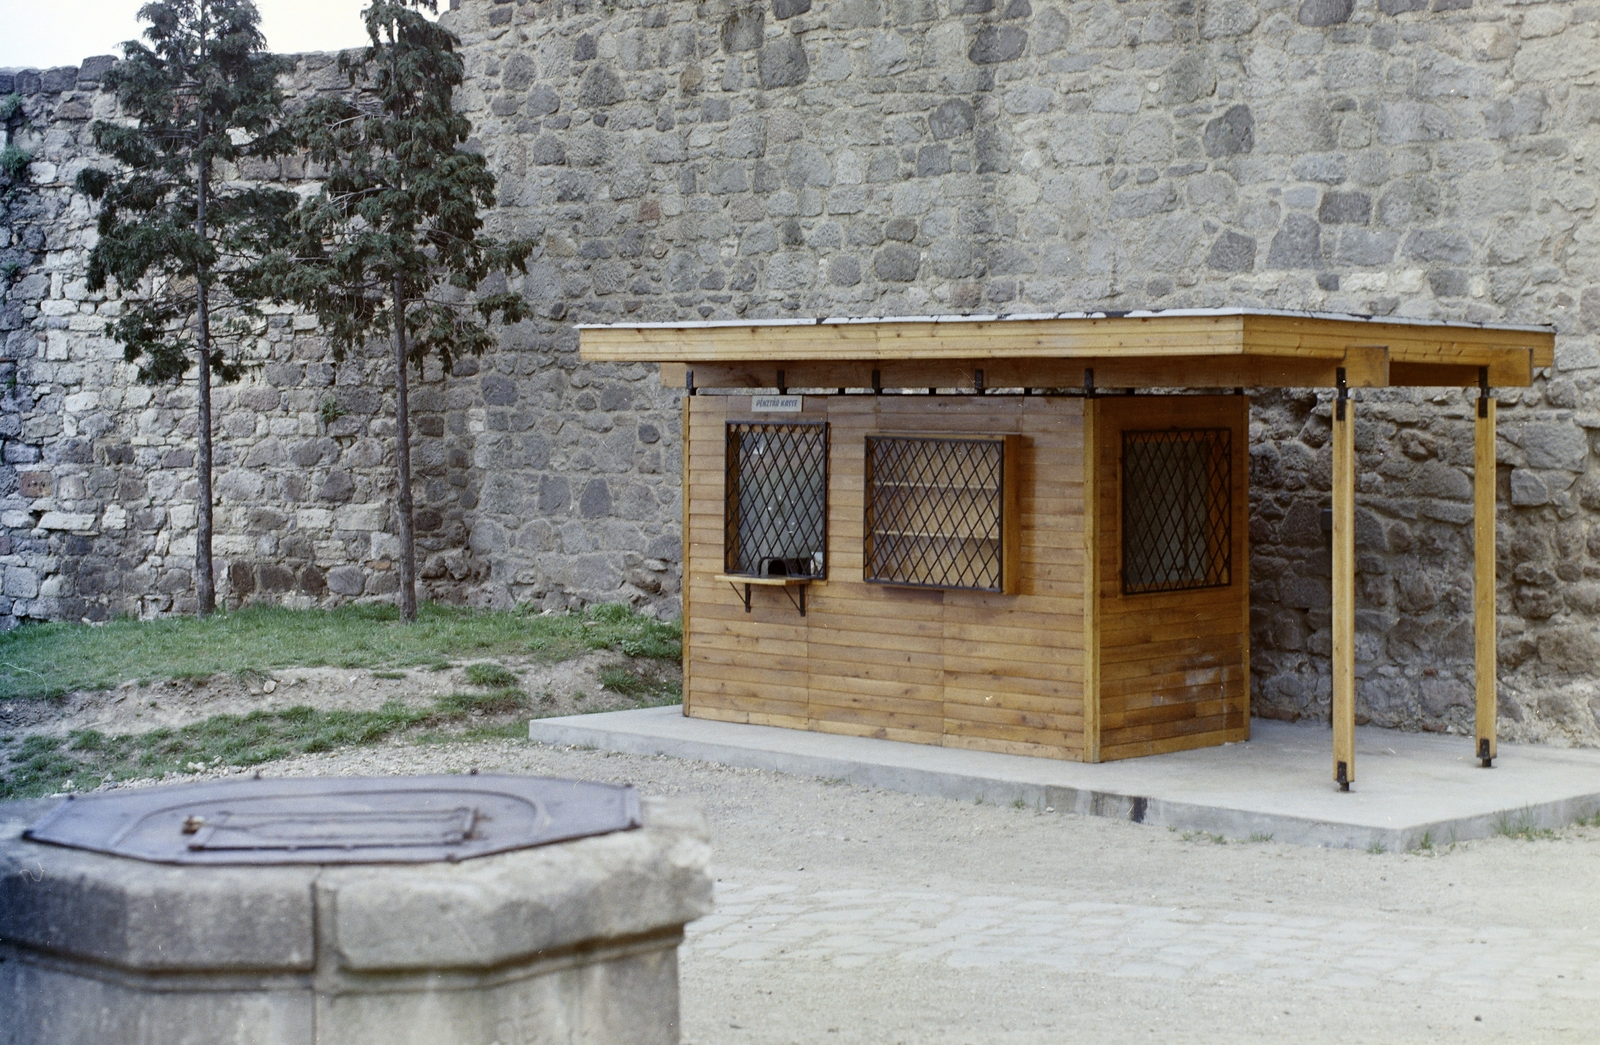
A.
pixel 775 518
pixel 1177 510
pixel 934 515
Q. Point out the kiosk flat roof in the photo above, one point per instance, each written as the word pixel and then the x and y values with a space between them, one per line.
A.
pixel 1254 347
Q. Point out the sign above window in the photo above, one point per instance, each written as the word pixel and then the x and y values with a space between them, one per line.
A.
pixel 776 404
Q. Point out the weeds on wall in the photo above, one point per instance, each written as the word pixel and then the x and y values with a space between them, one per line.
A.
pixel 14 159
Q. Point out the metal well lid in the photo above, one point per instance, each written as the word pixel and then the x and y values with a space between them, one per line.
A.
pixel 338 820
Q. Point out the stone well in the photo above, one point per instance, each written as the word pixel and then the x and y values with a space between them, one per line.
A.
pixel 373 919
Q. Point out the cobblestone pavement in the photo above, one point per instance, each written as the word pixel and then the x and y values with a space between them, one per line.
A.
pixel 853 927
pixel 848 916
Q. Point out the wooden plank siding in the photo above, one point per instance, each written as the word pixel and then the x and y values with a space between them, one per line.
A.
pixel 966 669
pixel 1173 667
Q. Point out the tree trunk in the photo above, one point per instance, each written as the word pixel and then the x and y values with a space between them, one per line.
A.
pixel 205 582
pixel 402 460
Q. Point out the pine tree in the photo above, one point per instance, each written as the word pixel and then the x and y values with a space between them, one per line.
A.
pixel 179 243
pixel 392 245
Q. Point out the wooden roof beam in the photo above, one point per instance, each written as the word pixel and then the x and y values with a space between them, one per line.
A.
pixel 1503 373
pixel 1365 367
pixel 918 339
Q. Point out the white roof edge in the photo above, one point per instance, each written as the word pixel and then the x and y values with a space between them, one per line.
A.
pixel 712 324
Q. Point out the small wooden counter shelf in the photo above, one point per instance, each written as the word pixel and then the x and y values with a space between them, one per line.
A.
pixel 1020 534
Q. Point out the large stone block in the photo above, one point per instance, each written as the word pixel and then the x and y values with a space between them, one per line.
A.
pixel 1228 18
pixel 997 44
pixel 742 31
pixel 1232 253
pixel 951 119
pixel 1321 13
pixel 783 63
pixel 77 521
pixel 1297 244
pixel 94 69
pixel 1231 133
pixel 1345 208
pixel 600 87
pixel 595 503
pixel 1438 245
pixel 58 80
pixel 1551 444
pixel 897 262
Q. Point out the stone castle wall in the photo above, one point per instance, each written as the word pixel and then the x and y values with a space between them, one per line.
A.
pixel 879 157
pixel 98 486
pixel 97 471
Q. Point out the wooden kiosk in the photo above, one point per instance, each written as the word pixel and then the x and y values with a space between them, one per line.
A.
pixel 1020 534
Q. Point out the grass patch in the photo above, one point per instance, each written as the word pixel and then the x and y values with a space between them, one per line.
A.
pixel 612 626
pixel 517 730
pixel 48 660
pixel 1377 849
pixel 1205 836
pixel 491 676
pixel 83 760
pixel 649 690
pixel 1522 827
pixel 502 701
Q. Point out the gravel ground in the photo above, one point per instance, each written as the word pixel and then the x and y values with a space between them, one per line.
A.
pixel 849 915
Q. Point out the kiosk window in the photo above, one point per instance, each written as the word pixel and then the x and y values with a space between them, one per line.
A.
pixel 938 514
pixel 1177 510
pixel 775 518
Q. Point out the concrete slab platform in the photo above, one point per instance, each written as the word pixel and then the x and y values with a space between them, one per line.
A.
pixel 1409 786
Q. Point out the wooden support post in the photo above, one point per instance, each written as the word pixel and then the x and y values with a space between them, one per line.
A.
pixel 684 562
pixel 1483 573
pixel 1091 573
pixel 1344 589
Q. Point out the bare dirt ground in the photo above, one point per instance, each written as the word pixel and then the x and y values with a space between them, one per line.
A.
pixel 566 688
pixel 849 915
